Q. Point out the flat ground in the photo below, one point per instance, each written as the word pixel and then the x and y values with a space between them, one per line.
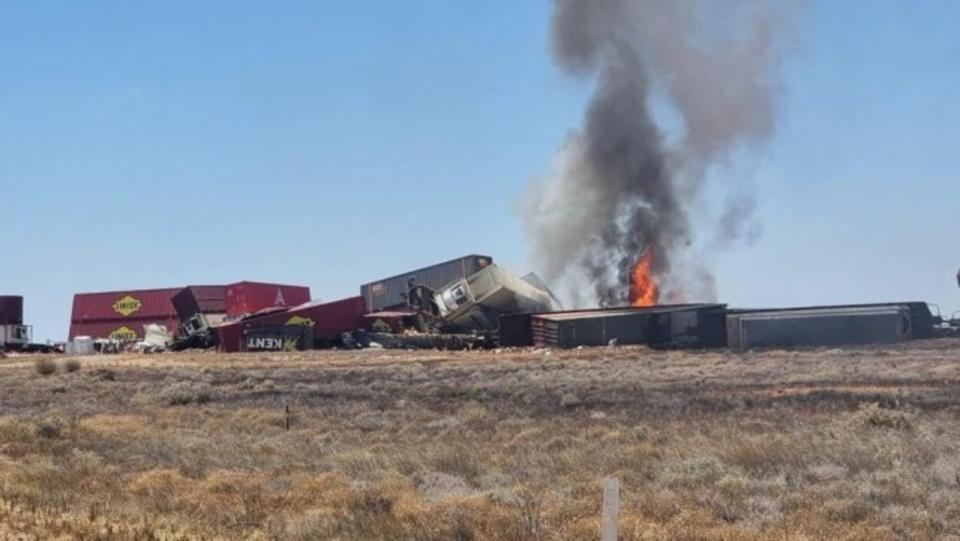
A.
pixel 508 445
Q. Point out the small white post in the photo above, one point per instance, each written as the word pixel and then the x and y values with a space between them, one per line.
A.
pixel 611 509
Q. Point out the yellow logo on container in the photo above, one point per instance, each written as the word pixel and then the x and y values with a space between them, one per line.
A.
pixel 127 306
pixel 124 333
pixel 299 320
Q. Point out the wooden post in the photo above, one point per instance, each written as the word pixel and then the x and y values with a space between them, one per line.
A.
pixel 611 509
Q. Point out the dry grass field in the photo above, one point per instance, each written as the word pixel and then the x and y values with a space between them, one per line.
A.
pixel 510 445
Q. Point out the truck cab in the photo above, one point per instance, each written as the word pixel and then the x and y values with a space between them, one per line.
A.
pixel 15 336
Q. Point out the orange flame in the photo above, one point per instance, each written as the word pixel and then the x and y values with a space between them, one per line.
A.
pixel 643 288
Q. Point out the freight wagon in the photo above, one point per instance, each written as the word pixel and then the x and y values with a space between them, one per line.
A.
pixel 681 325
pixel 825 326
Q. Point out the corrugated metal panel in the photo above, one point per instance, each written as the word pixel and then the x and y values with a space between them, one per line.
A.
pixel 124 329
pixel 132 304
pixel 11 310
pixel 248 297
pixel 328 321
pixel 193 300
pixel 386 293
pixel 922 320
pixel 819 327
pixel 667 325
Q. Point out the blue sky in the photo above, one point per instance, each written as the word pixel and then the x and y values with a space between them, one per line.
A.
pixel 323 143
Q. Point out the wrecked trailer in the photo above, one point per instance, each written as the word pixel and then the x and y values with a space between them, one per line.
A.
pixel 477 302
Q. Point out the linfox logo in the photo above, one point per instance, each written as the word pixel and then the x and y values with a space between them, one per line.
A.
pixel 124 333
pixel 300 320
pixel 279 301
pixel 127 305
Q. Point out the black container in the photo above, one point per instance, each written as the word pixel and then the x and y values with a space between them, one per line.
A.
pixel 11 310
pixel 824 326
pixel 515 330
pixel 193 300
pixel 922 321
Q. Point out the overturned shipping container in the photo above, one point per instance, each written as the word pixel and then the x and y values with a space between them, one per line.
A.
pixel 824 326
pixel 476 302
pixel 390 292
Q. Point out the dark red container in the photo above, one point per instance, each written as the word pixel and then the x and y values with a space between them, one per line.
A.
pixel 248 297
pixel 122 305
pixel 229 337
pixel 328 321
pixel 122 329
pixel 11 310
pixel 193 300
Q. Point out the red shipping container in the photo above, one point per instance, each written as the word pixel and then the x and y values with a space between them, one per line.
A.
pixel 121 329
pixel 248 297
pixel 328 321
pixel 230 337
pixel 133 304
pixel 11 310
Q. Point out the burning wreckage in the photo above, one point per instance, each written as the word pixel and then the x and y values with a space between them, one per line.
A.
pixel 468 302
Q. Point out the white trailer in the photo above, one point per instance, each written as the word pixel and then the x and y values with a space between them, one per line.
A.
pixel 15 337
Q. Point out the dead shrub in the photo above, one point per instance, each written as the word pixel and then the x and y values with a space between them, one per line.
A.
pixel 71 365
pixel 50 428
pixel 103 374
pixel 186 392
pixel 160 489
pixel 872 415
pixel 45 367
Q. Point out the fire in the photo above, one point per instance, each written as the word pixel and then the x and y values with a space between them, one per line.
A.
pixel 643 288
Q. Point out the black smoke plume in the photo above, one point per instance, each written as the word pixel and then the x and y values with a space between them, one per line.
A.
pixel 679 85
